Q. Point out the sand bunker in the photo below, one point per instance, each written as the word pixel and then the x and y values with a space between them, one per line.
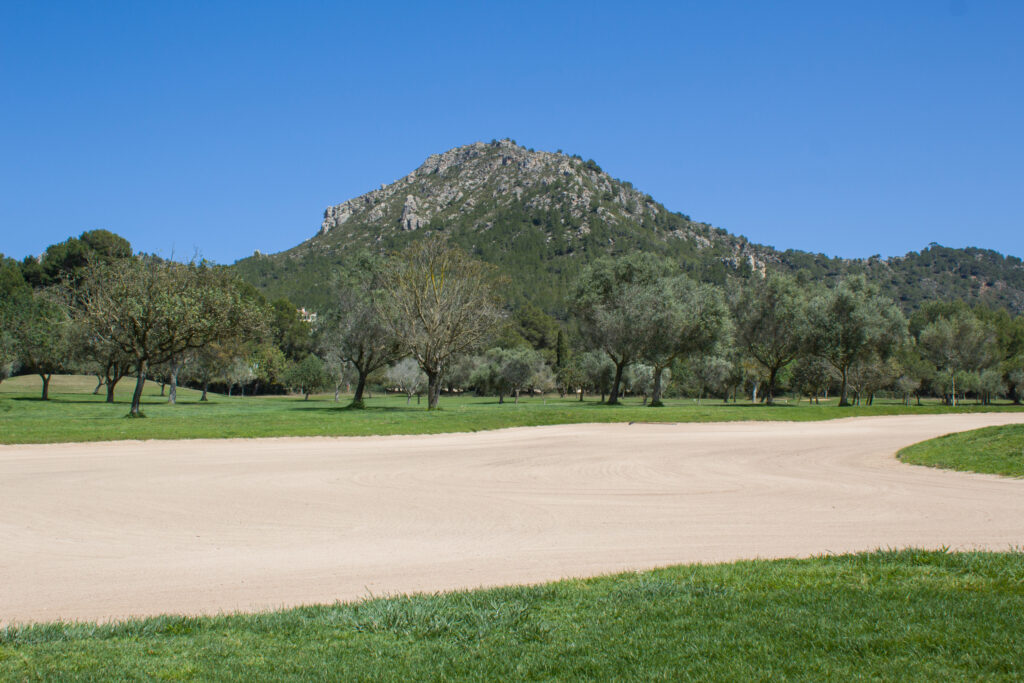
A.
pixel 108 530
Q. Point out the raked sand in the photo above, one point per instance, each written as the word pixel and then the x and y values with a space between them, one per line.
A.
pixel 107 530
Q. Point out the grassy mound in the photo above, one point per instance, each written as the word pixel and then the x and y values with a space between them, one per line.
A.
pixel 993 450
pixel 886 615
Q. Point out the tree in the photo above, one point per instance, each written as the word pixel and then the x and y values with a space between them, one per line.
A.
pixel 851 323
pixel 308 376
pixel 208 364
pixel 598 372
pixel 677 318
pixel 68 261
pixel 41 331
pixel 770 315
pixel 521 368
pixel 438 303
pixel 407 377
pixel 706 373
pixel 356 333
pixel 811 376
pixel 288 331
pixel 642 380
pixel 486 375
pixel 10 293
pixel 100 357
pixel 240 371
pixel 605 300
pixel 155 310
pixel 959 344
pixel 868 375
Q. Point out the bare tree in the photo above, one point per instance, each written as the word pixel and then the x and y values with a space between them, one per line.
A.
pixel 438 303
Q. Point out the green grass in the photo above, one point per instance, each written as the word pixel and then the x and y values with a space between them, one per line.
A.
pixel 74 414
pixel 992 450
pixel 908 615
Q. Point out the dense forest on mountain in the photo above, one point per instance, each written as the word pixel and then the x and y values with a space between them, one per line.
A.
pixel 542 217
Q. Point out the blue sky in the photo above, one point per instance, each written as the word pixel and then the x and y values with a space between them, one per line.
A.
pixel 850 128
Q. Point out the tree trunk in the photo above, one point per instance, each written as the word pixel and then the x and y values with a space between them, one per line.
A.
pixel 357 397
pixel 337 390
pixel 501 397
pixel 307 397
pixel 46 385
pixel 656 391
pixel 172 397
pixel 140 381
pixel 433 390
pixel 205 387
pixel 408 399
pixel 111 383
pixel 770 389
pixel 843 390
pixel 952 395
pixel 162 385
pixel 581 394
pixel 613 395
pixel 99 384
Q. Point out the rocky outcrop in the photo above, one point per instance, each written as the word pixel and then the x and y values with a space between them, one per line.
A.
pixel 482 179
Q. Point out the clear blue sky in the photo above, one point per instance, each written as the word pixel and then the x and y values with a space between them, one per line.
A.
pixel 851 128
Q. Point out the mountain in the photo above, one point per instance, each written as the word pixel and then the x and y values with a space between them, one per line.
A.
pixel 542 216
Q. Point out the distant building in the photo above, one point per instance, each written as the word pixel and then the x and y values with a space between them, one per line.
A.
pixel 307 316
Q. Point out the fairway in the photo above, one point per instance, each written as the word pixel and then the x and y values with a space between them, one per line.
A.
pixel 108 530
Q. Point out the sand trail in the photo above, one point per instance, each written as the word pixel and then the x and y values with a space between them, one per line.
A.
pixel 108 530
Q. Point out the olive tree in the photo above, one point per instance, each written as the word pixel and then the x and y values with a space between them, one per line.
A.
pixel 356 333
pixel 770 315
pixel 407 377
pixel 438 303
pixel 852 323
pixel 677 318
pixel 958 344
pixel 609 312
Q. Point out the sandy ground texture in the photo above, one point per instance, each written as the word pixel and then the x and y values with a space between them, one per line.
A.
pixel 107 530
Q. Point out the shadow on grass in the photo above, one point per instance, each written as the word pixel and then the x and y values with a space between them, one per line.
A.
pixel 346 408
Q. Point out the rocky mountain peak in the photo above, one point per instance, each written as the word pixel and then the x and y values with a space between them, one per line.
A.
pixel 457 181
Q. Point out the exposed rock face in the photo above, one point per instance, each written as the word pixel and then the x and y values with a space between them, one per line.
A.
pixel 481 181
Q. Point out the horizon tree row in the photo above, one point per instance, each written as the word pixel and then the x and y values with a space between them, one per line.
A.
pixel 638 325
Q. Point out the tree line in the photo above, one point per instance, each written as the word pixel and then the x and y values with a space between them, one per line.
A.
pixel 431 319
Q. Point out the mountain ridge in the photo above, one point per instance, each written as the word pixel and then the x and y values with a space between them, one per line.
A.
pixel 542 215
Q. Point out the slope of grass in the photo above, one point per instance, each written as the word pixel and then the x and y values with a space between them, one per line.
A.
pixel 75 414
pixel 992 450
pixel 908 615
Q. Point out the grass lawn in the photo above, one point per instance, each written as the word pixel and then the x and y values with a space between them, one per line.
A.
pixel 73 413
pixel 993 450
pixel 884 616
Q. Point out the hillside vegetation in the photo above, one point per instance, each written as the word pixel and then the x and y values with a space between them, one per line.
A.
pixel 542 216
